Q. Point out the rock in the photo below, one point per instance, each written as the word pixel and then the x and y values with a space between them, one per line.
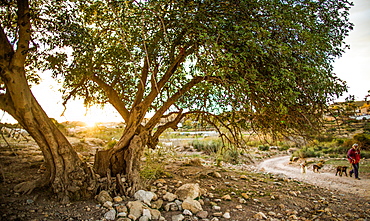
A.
pixel 123 219
pixel 245 196
pixel 189 190
pixel 260 215
pixel 144 196
pixel 187 212
pixel 156 214
pixel 136 208
pixel 281 206
pixel 117 199
pixel 202 214
pixel 144 218
pixel 132 217
pixel 121 209
pixel 217 208
pixel 110 215
pixel 122 214
pixel 157 204
pixel 171 207
pixel 169 197
pixel 108 205
pixel 146 212
pixel 226 215
pixel 216 174
pixel 179 217
pixel 226 197
pixel 103 197
pixel 242 201
pixel 192 205
pixel 217 214
pixel 243 177
pixel 179 204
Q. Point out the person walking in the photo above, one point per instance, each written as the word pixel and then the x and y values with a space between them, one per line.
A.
pixel 354 157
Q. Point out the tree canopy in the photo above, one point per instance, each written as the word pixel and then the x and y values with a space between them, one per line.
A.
pixel 264 65
pixel 269 62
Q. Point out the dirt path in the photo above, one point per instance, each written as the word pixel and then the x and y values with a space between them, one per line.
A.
pixel 280 165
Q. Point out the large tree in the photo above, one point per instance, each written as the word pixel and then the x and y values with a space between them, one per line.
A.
pixel 262 63
pixel 67 175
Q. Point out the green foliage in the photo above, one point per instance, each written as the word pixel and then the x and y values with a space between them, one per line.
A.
pixel 104 133
pixel 306 152
pixel 153 167
pixel 265 59
pixel 284 147
pixel 153 170
pixel 231 155
pixel 365 154
pixel 111 144
pixel 363 139
pixel 208 146
pixel 263 147
pixel 367 127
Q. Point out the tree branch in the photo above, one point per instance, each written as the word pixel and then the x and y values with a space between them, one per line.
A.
pixel 5 104
pixel 155 119
pixel 157 87
pixel 113 97
pixel 6 50
pixel 154 139
pixel 24 32
pixel 142 82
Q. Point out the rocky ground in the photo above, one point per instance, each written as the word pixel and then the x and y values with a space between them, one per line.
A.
pixel 243 192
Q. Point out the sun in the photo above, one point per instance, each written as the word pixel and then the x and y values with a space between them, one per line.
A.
pixel 91 121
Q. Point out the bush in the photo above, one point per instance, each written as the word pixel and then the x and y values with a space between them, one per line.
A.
pixel 111 144
pixel 363 139
pixel 307 152
pixel 263 147
pixel 208 146
pixel 365 154
pixel 231 156
pixel 283 148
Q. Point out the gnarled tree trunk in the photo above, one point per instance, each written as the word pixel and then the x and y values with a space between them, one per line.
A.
pixel 67 175
pixel 123 161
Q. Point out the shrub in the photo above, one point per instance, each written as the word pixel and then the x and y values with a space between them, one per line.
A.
pixel 263 147
pixel 307 152
pixel 231 156
pixel 111 144
pixel 365 154
pixel 363 139
pixel 208 146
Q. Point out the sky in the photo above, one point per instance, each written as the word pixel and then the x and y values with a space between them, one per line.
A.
pixel 353 67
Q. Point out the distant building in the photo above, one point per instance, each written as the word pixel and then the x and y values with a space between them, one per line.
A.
pixel 358 110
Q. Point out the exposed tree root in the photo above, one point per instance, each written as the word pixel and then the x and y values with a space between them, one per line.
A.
pixel 28 186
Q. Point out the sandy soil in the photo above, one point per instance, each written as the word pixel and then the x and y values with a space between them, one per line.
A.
pixel 282 165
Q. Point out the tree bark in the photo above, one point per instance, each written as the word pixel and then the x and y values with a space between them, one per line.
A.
pixel 66 174
pixel 123 163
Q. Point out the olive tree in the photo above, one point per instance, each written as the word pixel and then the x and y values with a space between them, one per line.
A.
pixel 67 175
pixel 262 64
